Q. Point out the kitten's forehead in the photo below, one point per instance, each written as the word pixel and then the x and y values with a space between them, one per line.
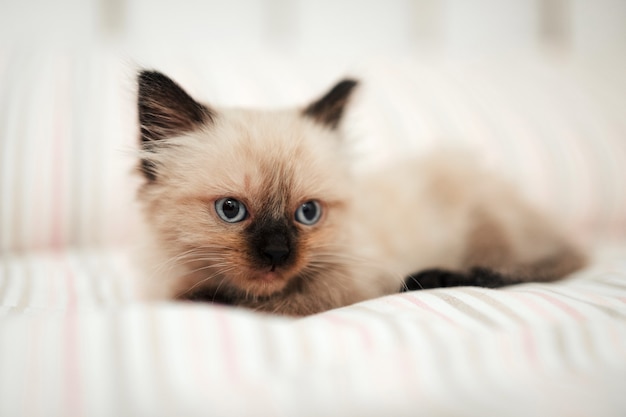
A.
pixel 278 155
pixel 274 160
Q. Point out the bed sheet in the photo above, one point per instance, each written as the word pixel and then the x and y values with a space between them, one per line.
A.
pixel 76 340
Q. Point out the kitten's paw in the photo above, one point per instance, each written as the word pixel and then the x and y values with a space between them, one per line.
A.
pixel 441 278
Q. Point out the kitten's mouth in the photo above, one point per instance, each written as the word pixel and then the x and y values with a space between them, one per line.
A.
pixel 265 282
pixel 270 276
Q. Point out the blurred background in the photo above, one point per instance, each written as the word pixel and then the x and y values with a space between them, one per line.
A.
pixel 325 27
pixel 538 86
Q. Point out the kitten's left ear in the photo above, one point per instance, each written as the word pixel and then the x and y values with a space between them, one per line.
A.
pixel 165 109
pixel 328 110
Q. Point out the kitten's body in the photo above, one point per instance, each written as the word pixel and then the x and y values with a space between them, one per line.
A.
pixel 439 212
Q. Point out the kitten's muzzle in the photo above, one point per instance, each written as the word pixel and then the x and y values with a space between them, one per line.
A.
pixel 275 249
pixel 272 243
pixel 277 254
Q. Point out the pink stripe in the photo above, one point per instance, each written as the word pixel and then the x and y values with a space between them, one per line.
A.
pixel 194 327
pixel 73 393
pixel 70 285
pixel 563 306
pixel 60 132
pixel 618 340
pixel 366 336
pixel 228 346
pixel 428 308
pixel 529 344
pixel 529 302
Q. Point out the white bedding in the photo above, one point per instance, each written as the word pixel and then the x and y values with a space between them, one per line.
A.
pixel 77 340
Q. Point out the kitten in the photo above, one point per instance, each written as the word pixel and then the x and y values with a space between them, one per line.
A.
pixel 261 209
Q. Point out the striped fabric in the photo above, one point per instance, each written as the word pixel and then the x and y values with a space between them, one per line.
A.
pixel 77 340
pixel 65 151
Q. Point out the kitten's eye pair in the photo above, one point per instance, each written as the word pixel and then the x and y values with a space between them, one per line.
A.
pixel 233 211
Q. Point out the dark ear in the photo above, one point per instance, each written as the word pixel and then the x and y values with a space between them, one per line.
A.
pixel 165 109
pixel 329 109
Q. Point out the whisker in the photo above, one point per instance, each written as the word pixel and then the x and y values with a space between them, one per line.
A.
pixel 220 272
pixel 182 258
pixel 217 289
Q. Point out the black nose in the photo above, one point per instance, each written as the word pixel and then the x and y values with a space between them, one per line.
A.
pixel 272 243
pixel 276 254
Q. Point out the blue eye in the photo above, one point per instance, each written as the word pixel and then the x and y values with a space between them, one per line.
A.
pixel 230 210
pixel 309 213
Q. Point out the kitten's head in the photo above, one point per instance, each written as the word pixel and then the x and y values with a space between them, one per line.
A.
pixel 242 203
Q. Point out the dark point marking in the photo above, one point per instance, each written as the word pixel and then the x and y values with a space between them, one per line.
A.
pixel 276 250
pixel 165 110
pixel 149 169
pixel 272 242
pixel 329 109
pixel 441 278
pixel 210 295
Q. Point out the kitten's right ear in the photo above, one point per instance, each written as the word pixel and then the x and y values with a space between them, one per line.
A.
pixel 165 109
pixel 328 110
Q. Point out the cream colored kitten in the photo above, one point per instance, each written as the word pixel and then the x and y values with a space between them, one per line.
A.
pixel 260 209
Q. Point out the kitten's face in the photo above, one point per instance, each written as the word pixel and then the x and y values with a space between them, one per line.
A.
pixel 244 203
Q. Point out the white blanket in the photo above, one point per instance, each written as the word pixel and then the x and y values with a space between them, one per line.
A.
pixel 74 341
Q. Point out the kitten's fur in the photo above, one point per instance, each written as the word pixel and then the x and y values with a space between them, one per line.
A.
pixel 438 212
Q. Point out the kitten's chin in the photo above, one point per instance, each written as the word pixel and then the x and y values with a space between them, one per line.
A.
pixel 267 277
pixel 264 283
